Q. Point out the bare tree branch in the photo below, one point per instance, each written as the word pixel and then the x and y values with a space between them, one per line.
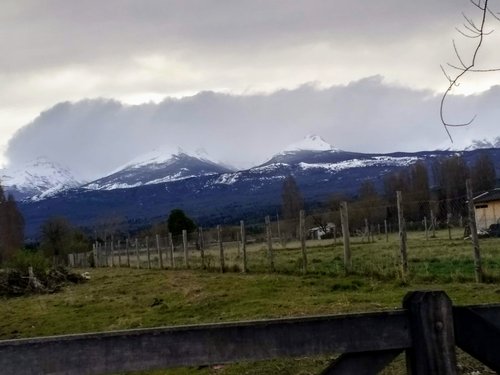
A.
pixel 458 55
pixel 472 31
pixel 473 70
pixel 493 14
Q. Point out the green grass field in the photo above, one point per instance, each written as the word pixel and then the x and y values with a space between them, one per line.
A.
pixel 122 298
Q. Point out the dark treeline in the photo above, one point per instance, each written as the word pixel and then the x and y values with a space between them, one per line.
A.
pixel 439 188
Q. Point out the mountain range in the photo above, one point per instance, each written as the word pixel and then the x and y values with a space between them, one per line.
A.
pixel 145 189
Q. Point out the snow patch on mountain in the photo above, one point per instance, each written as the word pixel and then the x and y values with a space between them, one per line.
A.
pixel 484 143
pixel 227 178
pixel 309 143
pixel 269 167
pixel 111 186
pixel 361 163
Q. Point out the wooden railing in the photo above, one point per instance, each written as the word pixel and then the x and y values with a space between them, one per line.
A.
pixel 427 329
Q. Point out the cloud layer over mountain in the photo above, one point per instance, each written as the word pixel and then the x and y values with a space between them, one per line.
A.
pixel 93 137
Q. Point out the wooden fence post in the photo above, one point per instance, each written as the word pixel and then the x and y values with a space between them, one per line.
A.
pixel 148 252
pixel 112 251
pixel 98 254
pixel 221 248
pixel 269 243
pixel 119 254
pixel 367 230
pixel 160 255
pixel 426 229
pixel 172 255
pixel 105 254
pixel 432 333
pixel 334 234
pixel 386 232
pixel 279 230
pixel 127 250
pixel 185 247
pixel 94 254
pixel 202 247
pixel 244 245
pixel 433 224
pixel 402 236
pixel 238 243
pixel 137 253
pixel 344 220
pixel 448 223
pixel 478 270
pixel 302 226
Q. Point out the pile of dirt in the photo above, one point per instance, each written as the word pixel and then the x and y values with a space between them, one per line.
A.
pixel 17 283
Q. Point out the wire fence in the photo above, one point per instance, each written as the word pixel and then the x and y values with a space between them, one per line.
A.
pixel 315 241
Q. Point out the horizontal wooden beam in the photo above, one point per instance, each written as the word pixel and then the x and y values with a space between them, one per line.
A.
pixel 155 348
pixel 491 313
pixel 478 336
pixel 364 363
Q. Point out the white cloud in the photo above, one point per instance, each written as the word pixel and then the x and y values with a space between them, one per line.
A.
pixel 95 136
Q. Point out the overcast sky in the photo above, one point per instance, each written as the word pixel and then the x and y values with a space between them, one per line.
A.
pixel 93 84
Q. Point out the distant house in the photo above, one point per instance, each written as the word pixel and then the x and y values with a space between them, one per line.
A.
pixel 487 207
pixel 318 232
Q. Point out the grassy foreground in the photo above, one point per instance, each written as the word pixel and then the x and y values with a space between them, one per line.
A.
pixel 129 298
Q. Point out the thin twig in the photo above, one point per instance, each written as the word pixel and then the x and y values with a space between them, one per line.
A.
pixel 477 32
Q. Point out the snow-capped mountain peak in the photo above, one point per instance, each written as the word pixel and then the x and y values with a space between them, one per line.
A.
pixel 159 166
pixel 161 157
pixel 311 146
pixel 309 143
pixel 37 179
pixel 157 156
pixel 484 143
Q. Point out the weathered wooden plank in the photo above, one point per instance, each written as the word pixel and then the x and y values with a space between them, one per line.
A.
pixel 155 348
pixel 478 336
pixel 431 327
pixel 489 312
pixel 364 363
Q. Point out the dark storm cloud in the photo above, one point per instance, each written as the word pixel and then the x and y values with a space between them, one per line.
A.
pixel 53 33
pixel 95 136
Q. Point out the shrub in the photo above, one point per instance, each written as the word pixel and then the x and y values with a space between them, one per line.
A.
pixel 24 259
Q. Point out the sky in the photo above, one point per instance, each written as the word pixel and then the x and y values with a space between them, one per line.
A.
pixel 93 84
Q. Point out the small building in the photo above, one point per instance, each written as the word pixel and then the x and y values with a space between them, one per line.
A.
pixel 318 233
pixel 487 209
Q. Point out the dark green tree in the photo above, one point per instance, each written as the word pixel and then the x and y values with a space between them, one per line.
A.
pixel 419 192
pixel 450 175
pixel 483 174
pixel 56 233
pixel 369 205
pixel 292 201
pixel 177 221
pixel 397 181
pixel 11 227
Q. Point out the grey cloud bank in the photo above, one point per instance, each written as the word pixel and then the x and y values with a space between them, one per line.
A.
pixel 228 51
pixel 94 136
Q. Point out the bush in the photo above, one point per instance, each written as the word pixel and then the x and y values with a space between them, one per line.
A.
pixel 16 280
pixel 24 259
